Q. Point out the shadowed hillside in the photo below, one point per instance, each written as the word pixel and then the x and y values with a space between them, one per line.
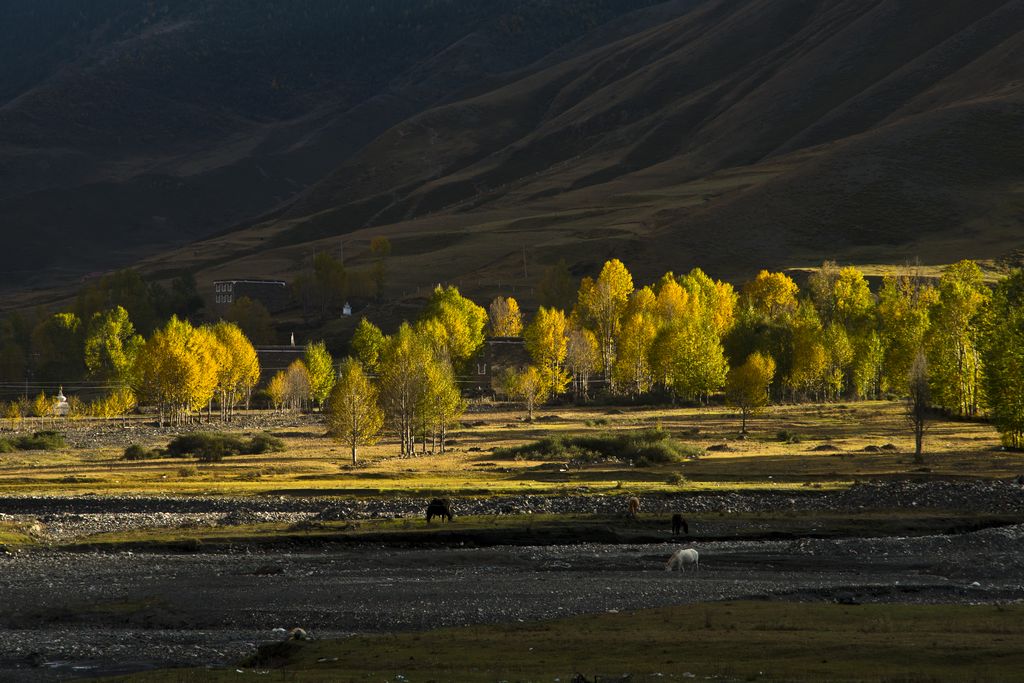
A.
pixel 733 134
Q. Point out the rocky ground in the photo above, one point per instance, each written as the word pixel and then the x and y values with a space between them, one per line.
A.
pixel 64 614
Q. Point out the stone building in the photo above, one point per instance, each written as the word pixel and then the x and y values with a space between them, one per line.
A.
pixel 273 294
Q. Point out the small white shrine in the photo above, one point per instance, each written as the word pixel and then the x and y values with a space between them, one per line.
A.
pixel 61 407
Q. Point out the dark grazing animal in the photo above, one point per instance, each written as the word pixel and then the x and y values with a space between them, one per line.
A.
pixel 679 523
pixel 440 507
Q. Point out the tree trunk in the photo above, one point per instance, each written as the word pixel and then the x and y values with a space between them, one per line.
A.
pixel 353 452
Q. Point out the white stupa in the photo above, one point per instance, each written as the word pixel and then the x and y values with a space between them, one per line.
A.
pixel 61 408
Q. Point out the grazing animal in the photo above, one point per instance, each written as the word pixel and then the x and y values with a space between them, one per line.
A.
pixel 679 523
pixel 440 507
pixel 683 558
pixel 1020 481
pixel 634 506
pixel 298 634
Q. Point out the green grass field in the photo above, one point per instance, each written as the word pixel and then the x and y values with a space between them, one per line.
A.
pixel 834 445
pixel 742 641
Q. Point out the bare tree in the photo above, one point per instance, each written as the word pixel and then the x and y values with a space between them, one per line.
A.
pixel 918 402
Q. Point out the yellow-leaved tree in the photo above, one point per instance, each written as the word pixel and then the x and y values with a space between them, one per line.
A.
pixel 746 386
pixel 582 358
pixel 320 366
pixel 601 303
pixel 529 387
pixel 176 370
pixel 242 367
pixel 353 413
pixel 506 320
pixel 545 339
pixel 771 294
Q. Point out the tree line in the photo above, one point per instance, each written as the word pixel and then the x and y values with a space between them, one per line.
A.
pixel 952 343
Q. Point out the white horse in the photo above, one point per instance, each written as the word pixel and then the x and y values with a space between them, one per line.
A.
pixel 683 557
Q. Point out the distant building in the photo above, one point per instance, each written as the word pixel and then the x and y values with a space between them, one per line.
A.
pixel 498 355
pixel 273 294
pixel 346 309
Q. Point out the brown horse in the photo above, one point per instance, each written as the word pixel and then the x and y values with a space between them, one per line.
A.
pixel 440 507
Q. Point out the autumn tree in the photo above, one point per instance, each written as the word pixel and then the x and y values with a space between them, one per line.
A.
pixel 353 413
pixel 582 358
pixel 746 386
pixel 632 371
pixel 297 385
pixel 403 383
pixel 367 344
pixel 241 370
pixel 454 325
pixel 904 306
pixel 441 404
pixel 601 304
pixel 954 337
pixel 545 340
pixel 277 388
pixel 176 370
pixel 529 387
pixel 505 317
pixel 918 401
pixel 320 367
pixel 771 294
pixel 713 301
pixel 1002 356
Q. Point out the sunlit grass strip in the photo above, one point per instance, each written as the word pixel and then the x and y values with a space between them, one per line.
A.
pixel 736 641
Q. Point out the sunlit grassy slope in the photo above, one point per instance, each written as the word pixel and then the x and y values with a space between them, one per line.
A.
pixel 824 446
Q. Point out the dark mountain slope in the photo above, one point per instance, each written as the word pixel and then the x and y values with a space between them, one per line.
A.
pixel 907 119
pixel 133 125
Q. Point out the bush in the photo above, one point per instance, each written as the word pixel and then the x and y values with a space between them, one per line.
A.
pixel 675 479
pixel 6 446
pixel 40 441
pixel 137 452
pixel 208 447
pixel 645 448
pixel 786 436
pixel 188 471
pixel 265 443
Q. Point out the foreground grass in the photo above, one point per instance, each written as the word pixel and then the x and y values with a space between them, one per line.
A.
pixel 733 641
pixel 827 446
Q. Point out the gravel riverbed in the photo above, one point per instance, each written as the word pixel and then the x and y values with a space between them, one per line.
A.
pixel 79 614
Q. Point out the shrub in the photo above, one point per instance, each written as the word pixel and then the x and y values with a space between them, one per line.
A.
pixel 40 441
pixel 675 479
pixel 6 446
pixel 137 452
pixel 188 471
pixel 644 448
pixel 265 443
pixel 208 447
pixel 786 436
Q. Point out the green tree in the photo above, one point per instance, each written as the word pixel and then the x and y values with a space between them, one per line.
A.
pixel 746 386
pixel 320 366
pixel 953 339
pixel 353 413
pixel 111 347
pixel 904 306
pixel 632 371
pixel 1002 356
pixel 253 318
pixel 368 344
pixel 57 343
pixel 688 358
pixel 454 324
pixel 918 402
pixel 557 288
